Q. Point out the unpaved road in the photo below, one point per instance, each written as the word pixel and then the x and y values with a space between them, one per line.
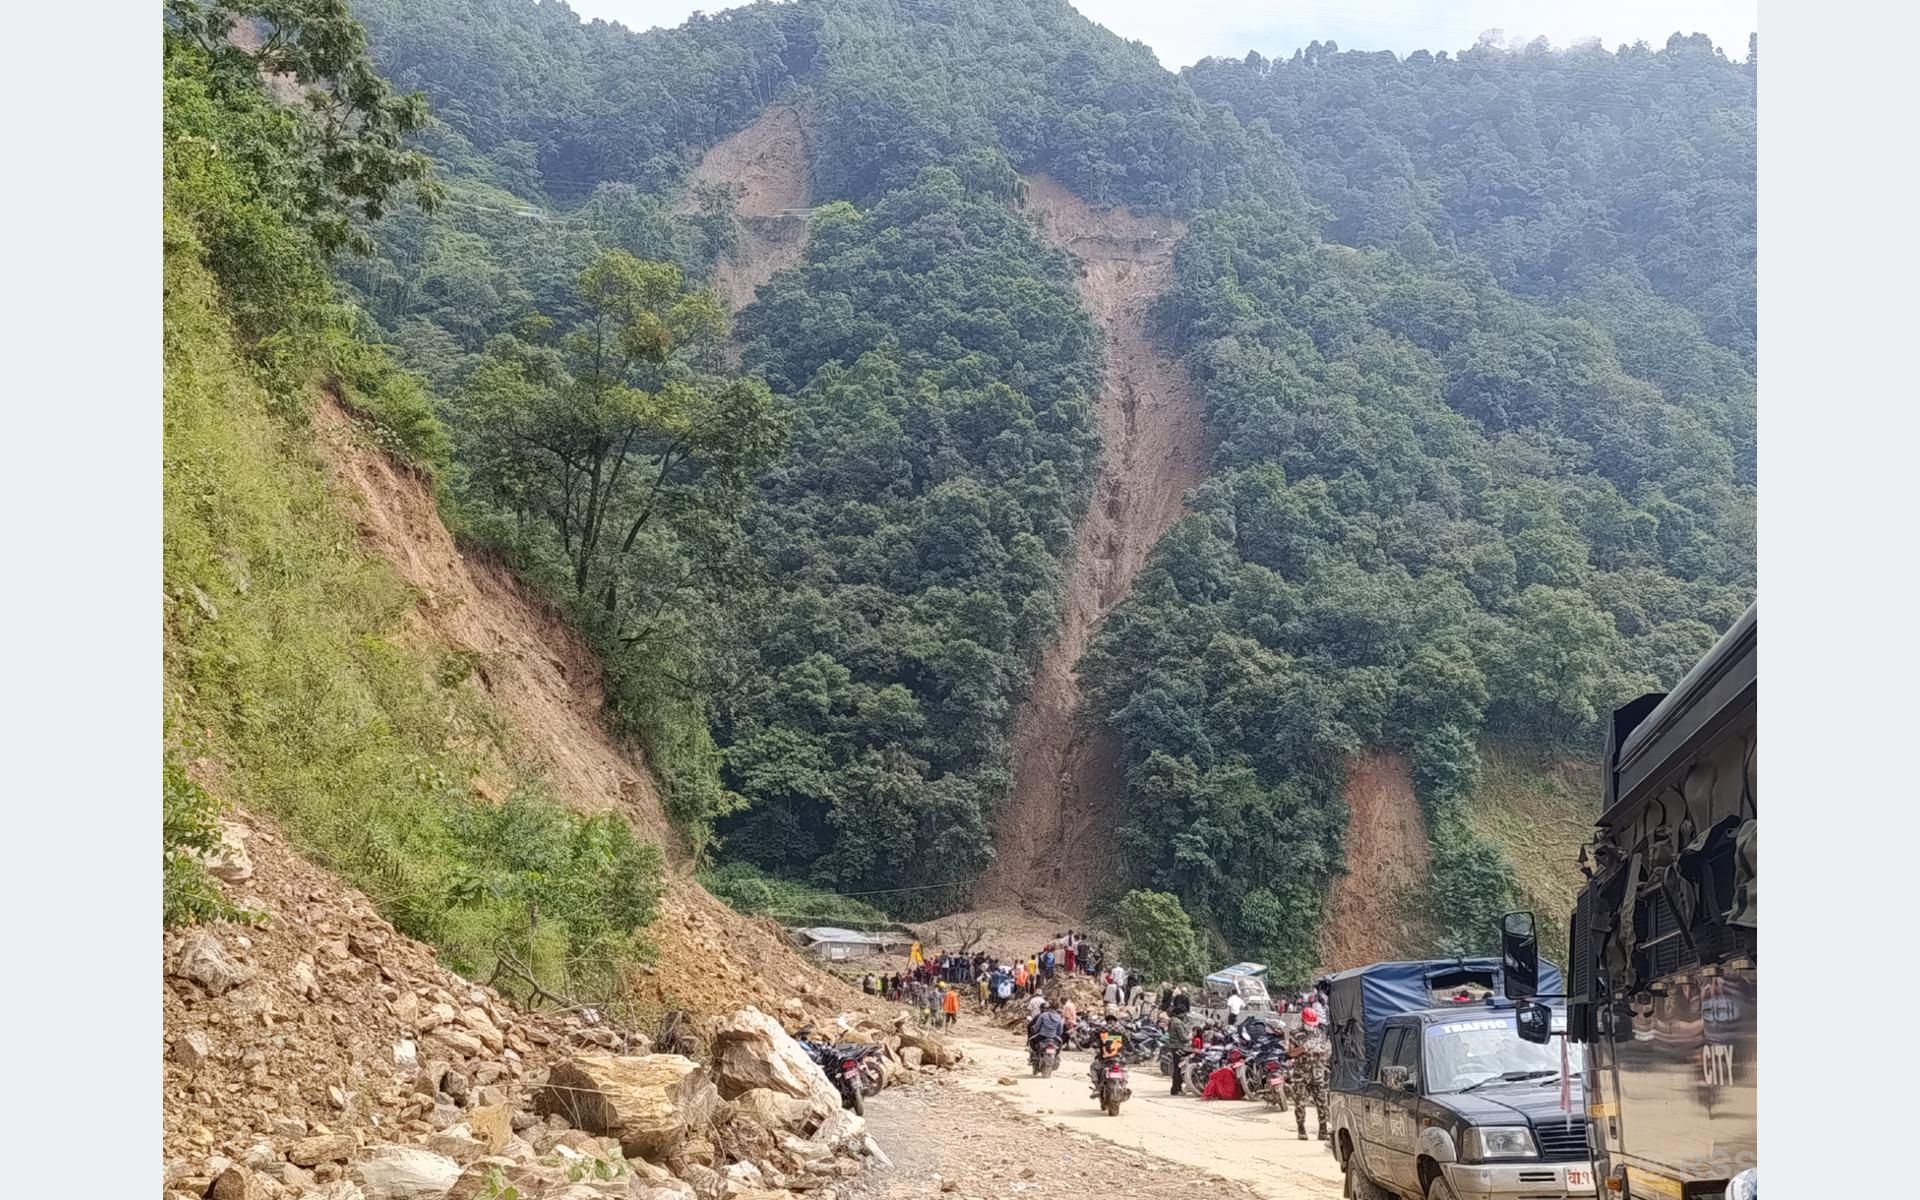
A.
pixel 971 1128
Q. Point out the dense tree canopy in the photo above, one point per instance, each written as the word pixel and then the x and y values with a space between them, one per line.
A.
pixel 1475 332
pixel 1560 169
pixel 939 369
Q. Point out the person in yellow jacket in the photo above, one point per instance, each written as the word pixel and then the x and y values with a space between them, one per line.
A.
pixel 914 957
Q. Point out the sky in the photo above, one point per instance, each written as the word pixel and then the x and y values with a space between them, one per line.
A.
pixel 1184 31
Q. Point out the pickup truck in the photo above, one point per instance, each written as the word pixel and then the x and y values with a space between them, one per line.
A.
pixel 1439 1101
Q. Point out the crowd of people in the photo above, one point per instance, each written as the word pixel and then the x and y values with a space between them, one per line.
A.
pixel 934 984
pixel 937 984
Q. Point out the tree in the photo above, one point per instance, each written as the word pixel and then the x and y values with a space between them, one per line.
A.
pixel 614 431
pixel 1158 937
pixel 348 155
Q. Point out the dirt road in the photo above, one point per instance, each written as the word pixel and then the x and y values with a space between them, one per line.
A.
pixel 1160 1145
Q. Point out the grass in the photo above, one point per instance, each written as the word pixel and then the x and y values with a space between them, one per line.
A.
pixel 1537 808
pixel 288 672
pixel 747 889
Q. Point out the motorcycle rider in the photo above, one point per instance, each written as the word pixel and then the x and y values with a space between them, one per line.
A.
pixel 1045 1025
pixel 1109 1044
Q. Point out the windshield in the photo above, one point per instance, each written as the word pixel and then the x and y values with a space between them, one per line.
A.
pixel 1467 1054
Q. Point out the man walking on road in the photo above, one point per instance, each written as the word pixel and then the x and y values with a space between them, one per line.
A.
pixel 1307 1072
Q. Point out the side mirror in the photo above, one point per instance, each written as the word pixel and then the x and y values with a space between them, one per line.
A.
pixel 1395 1078
pixel 1519 957
pixel 1534 1021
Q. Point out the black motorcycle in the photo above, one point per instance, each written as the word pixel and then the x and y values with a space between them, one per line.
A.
pixel 1267 1074
pixel 1043 1055
pixel 843 1063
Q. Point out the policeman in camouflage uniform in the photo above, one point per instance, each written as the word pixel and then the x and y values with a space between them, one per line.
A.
pixel 1307 1054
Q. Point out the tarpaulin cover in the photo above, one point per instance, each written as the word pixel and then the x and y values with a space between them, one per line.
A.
pixel 1360 1001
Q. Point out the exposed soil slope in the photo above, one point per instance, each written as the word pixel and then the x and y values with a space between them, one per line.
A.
pixel 546 682
pixel 532 665
pixel 764 168
pixel 1369 914
pixel 1067 773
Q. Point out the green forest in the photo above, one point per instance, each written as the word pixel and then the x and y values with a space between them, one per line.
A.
pixel 1474 329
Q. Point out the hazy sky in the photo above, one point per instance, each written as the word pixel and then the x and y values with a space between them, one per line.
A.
pixel 1183 31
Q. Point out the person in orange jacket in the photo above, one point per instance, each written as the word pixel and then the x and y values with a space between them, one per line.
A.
pixel 950 1004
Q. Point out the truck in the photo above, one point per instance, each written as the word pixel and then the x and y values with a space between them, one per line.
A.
pixel 1433 1093
pixel 1662 977
pixel 1247 980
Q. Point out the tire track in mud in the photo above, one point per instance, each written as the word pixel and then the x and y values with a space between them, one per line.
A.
pixel 1052 835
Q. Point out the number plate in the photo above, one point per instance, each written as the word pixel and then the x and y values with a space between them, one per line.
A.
pixel 1579 1177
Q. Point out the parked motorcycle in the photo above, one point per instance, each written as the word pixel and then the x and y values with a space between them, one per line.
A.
pixel 844 1064
pixel 1267 1075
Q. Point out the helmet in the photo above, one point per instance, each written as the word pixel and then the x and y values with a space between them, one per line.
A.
pixel 1310 1018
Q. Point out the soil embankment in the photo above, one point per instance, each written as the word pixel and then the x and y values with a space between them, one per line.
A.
pixel 531 664
pixel 764 170
pixel 545 681
pixel 1051 833
pixel 1369 915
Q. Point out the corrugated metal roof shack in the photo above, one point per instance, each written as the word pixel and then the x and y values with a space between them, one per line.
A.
pixel 836 945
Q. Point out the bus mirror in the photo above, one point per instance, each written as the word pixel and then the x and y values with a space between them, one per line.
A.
pixel 1534 1022
pixel 1519 956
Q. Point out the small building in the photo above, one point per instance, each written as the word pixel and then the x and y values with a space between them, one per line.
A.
pixel 836 944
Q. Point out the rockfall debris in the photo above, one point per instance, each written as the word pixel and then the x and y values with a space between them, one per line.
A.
pixel 323 1055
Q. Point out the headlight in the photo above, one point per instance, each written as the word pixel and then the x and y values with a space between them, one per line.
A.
pixel 1485 1142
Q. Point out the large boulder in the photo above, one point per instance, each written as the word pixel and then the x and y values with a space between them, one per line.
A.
pixel 202 959
pixel 771 1110
pixel 933 1051
pixel 404 1173
pixel 751 1051
pixel 651 1102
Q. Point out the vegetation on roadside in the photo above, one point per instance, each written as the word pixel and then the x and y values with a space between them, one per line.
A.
pixel 756 893
pixel 285 660
pixel 1156 937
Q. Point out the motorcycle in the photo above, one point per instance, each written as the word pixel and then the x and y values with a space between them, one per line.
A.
pixel 1043 1055
pixel 1267 1076
pixel 1113 1086
pixel 845 1066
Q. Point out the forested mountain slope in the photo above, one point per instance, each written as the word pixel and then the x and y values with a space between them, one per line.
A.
pixel 1473 335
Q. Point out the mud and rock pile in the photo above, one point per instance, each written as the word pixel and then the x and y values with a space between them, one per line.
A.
pixel 321 1053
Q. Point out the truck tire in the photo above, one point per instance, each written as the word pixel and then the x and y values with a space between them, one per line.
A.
pixel 1440 1189
pixel 1359 1185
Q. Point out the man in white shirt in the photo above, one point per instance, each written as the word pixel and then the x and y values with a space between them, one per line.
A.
pixel 1234 1006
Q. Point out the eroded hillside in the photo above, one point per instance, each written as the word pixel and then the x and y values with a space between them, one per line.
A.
pixel 763 171
pixel 1068 773
pixel 526 659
